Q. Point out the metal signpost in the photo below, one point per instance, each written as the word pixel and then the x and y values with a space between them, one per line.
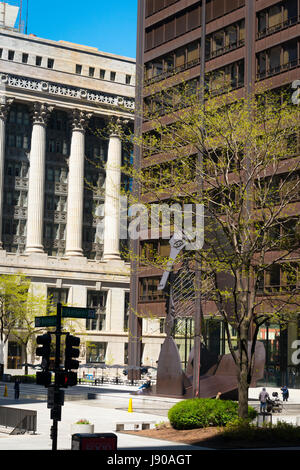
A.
pixel 63 377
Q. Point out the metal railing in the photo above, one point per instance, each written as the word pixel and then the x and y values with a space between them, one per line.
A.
pixel 225 49
pixel 20 421
pixel 269 72
pixel 172 71
pixel 278 27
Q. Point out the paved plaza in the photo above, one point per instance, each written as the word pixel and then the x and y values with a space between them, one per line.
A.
pixel 110 408
pixel 107 405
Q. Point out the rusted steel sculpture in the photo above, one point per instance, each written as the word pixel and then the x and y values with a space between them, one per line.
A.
pixel 218 373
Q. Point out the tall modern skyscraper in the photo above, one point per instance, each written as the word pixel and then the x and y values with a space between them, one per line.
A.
pixel 250 43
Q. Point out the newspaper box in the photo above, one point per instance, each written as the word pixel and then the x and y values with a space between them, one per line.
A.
pixel 97 441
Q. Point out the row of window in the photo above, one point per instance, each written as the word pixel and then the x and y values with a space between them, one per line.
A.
pixel 173 27
pixel 103 74
pixel 231 76
pixel 219 42
pixel 38 60
pixel 269 62
pixel 214 8
pixel 279 278
pixel 187 56
pixel 277 59
pixel 49 63
pixel 22 141
pixel 277 17
pixel 153 6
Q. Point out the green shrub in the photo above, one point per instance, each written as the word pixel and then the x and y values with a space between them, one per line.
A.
pixel 245 431
pixel 204 412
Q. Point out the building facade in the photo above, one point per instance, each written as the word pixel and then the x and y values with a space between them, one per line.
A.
pixel 249 42
pixel 60 181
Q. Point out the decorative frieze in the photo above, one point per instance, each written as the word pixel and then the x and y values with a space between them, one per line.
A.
pixel 82 94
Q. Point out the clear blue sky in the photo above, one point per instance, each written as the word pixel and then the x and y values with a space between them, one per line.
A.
pixel 109 25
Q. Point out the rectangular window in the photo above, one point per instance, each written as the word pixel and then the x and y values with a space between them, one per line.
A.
pixel 11 55
pixel 112 76
pixel 126 311
pixel 19 141
pixel 274 14
pixel 102 74
pixel 78 69
pixel 192 52
pixel 180 57
pixel 11 140
pixel 96 351
pixel 14 355
pixel 50 63
pixel 38 61
pixel 97 300
pixel 25 142
pixel 24 58
pixel 91 71
pixel 56 296
pixel 128 79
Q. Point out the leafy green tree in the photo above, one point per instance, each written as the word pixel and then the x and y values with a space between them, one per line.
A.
pixel 238 157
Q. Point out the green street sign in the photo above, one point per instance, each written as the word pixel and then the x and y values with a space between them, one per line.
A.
pixel 78 312
pixel 45 321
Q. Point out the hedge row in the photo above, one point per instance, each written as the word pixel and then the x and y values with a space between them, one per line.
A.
pixel 204 412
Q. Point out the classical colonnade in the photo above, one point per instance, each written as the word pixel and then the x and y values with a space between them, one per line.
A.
pixel 36 183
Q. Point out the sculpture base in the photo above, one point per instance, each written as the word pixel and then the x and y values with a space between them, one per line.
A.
pixel 169 373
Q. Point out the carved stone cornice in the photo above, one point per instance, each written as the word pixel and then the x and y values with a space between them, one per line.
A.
pixel 5 104
pixel 41 113
pixel 79 120
pixel 67 91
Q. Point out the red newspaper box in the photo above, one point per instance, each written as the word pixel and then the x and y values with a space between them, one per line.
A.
pixel 97 441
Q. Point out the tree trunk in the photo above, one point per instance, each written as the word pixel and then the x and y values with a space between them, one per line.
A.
pixel 243 375
pixel 243 389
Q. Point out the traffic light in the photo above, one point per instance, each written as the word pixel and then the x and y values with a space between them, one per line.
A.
pixel 44 350
pixel 65 379
pixel 71 351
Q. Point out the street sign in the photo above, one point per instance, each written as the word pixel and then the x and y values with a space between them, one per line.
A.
pixel 45 321
pixel 78 312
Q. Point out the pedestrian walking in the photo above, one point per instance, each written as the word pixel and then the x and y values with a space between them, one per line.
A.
pixel 285 393
pixel 17 389
pixel 263 398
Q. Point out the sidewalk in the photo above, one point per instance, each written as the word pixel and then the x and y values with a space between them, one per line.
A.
pixel 110 408
pixel 103 418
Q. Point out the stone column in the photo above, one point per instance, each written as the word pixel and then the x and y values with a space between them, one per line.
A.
pixel 111 248
pixel 36 186
pixel 76 184
pixel 5 104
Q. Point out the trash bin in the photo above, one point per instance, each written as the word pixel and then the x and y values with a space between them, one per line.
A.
pixel 97 441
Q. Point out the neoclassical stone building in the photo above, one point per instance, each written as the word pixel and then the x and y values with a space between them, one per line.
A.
pixel 58 179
